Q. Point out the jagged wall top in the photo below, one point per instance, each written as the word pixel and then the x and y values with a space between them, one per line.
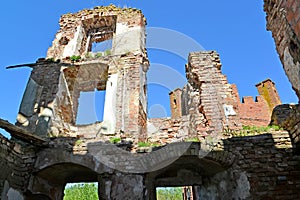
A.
pixel 123 13
pixel 125 26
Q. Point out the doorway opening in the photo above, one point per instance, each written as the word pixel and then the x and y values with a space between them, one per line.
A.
pixel 175 193
pixel 81 191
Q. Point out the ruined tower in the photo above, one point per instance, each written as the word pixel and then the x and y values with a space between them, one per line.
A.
pixel 75 65
pixel 268 91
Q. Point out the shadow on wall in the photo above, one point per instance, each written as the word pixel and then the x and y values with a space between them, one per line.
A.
pixel 253 166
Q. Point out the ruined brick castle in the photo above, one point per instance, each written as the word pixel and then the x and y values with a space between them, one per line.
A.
pixel 48 149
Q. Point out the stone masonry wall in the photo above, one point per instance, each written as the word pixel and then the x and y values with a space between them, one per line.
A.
pixel 288 117
pixel 163 131
pixel 16 164
pixel 39 95
pixel 270 165
pixel 264 167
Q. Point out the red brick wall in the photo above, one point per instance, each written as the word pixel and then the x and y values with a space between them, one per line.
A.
pixel 283 20
pixel 254 113
pixel 293 15
pixel 258 112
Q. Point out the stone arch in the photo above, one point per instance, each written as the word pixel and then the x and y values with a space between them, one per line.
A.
pixel 55 156
pixel 55 167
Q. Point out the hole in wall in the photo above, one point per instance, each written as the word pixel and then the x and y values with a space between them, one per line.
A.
pixel 5 133
pixel 64 41
pixel 104 46
pixel 90 107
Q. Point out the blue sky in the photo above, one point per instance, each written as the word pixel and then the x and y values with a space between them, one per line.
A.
pixel 236 29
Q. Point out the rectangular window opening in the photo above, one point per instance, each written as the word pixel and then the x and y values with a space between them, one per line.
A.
pixel 100 41
pixel 104 47
pixel 90 107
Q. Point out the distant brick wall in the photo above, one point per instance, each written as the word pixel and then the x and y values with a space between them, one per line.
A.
pixel 209 94
pixel 258 112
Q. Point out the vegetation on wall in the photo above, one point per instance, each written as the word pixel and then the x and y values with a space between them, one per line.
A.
pixel 75 58
pixel 255 130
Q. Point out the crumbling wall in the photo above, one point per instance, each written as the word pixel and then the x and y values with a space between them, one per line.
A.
pixel 71 68
pixel 36 107
pixel 16 164
pixel 168 130
pixel 207 100
pixel 125 27
pixel 131 103
pixel 216 100
pixel 284 22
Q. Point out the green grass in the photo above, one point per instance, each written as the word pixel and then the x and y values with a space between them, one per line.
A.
pixel 194 139
pixel 115 140
pixel 107 52
pixel 147 144
pixel 99 54
pixel 255 130
pixel 78 142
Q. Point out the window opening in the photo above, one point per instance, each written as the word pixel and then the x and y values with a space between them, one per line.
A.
pixel 100 40
pixel 104 46
pixel 90 107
